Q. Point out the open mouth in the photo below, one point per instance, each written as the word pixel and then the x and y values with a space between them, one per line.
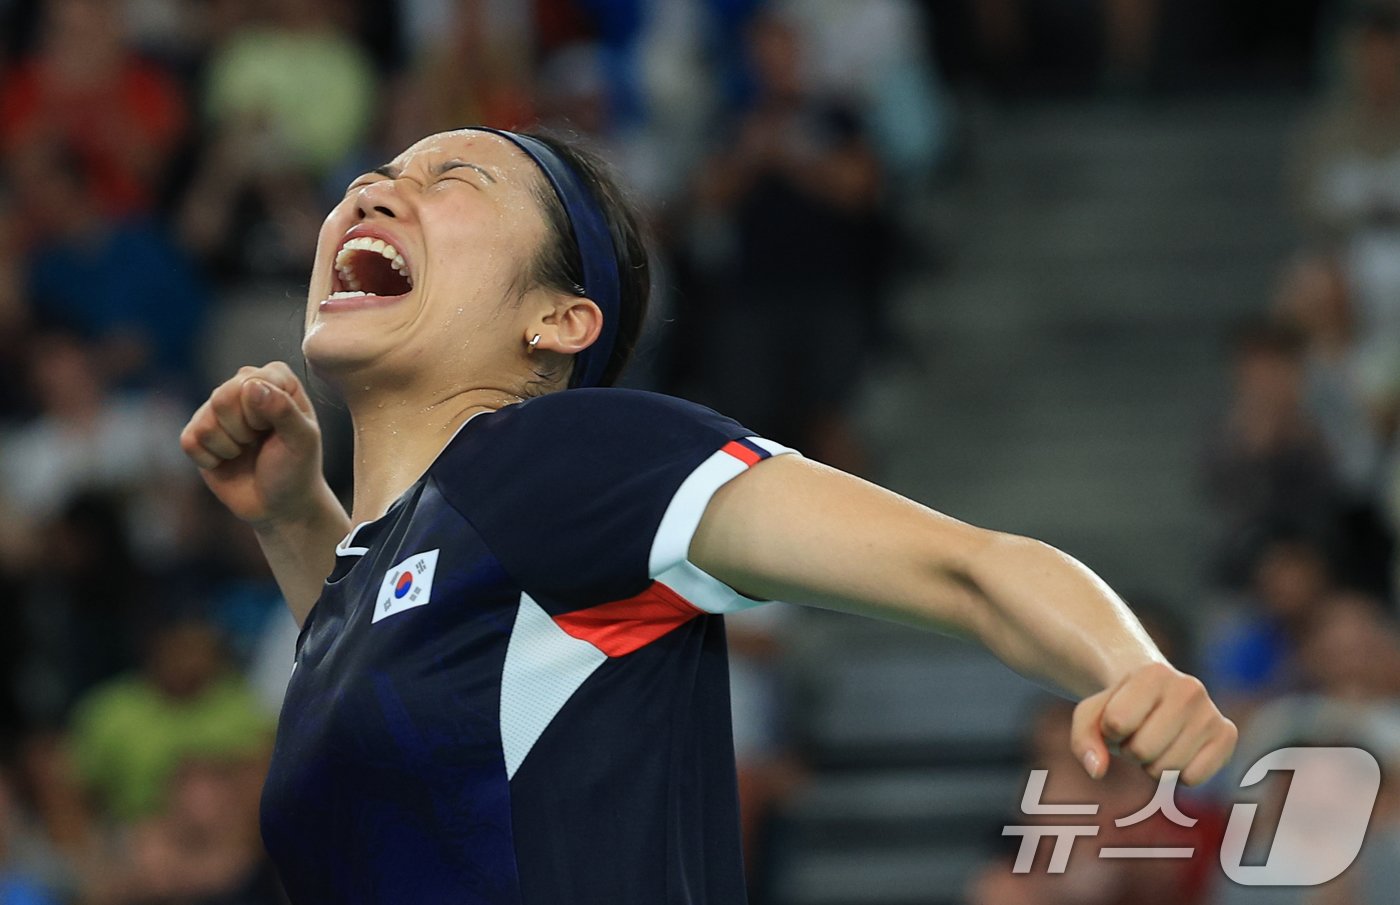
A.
pixel 366 266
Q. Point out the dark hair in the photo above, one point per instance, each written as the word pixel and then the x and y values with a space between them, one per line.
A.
pixel 558 265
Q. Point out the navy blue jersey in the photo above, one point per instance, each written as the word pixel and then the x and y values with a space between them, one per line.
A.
pixel 513 689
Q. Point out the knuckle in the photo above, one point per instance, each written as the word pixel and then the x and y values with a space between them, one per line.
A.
pixel 1139 751
pixel 225 398
pixel 227 390
pixel 1116 721
pixel 1197 696
pixel 279 370
pixel 1230 733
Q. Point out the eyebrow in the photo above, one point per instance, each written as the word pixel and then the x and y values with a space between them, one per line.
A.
pixel 389 171
pixel 454 164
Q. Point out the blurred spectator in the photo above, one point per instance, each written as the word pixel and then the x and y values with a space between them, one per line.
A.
pixel 57 835
pixel 79 607
pixel 131 734
pixel 1253 652
pixel 798 183
pixel 1089 880
pixel 88 437
pixel 1350 149
pixel 1354 422
pixel 249 214
pixel 1267 469
pixel 85 90
pixel 1351 650
pixel 474 69
pixel 203 848
pixel 287 98
pixel 297 82
pixel 573 95
pixel 681 59
pixel 117 279
pixel 1314 298
pixel 23 858
pixel 1349 191
pixel 873 54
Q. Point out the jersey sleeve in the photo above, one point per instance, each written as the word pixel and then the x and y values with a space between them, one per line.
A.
pixel 590 497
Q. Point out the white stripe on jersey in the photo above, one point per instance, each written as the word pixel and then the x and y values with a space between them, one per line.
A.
pixel 669 562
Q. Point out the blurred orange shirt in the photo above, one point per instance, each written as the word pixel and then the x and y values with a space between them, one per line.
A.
pixel 122 129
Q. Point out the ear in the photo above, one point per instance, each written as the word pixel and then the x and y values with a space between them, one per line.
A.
pixel 571 326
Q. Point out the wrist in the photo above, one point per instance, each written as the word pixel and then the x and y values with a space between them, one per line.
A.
pixel 318 512
pixel 1117 670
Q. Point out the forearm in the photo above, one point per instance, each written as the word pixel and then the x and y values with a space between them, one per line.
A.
pixel 1049 617
pixel 771 534
pixel 791 529
pixel 301 551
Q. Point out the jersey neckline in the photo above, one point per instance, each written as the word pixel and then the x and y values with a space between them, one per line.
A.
pixel 346 546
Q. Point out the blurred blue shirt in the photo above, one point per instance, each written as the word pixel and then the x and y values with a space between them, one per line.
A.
pixel 126 278
pixel 17 891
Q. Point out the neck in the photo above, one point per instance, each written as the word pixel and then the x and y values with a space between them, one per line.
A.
pixel 397 439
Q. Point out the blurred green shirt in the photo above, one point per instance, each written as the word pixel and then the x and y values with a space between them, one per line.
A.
pixel 312 94
pixel 128 738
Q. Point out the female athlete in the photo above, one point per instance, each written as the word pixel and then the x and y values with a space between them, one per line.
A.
pixel 511 682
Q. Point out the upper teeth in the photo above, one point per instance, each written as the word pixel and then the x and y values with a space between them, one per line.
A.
pixel 367 243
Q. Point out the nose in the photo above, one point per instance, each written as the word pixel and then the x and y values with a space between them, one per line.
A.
pixel 380 198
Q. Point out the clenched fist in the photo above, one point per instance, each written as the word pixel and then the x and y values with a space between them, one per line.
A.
pixel 1160 717
pixel 258 446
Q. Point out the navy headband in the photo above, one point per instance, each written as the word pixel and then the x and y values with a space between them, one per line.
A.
pixel 595 250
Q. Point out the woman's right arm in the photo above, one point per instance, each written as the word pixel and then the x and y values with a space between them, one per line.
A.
pixel 258 448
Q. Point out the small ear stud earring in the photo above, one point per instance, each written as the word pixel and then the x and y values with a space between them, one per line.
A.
pixel 534 341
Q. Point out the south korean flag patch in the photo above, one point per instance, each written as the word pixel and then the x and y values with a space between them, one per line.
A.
pixel 407 585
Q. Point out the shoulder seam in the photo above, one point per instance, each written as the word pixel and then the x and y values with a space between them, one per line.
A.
pixel 479 533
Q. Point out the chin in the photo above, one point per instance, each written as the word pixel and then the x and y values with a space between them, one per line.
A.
pixel 332 354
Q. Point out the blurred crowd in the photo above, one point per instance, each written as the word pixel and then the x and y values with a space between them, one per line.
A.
pixel 1299 641
pixel 164 167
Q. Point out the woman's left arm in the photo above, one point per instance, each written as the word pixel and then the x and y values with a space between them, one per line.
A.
pixel 795 530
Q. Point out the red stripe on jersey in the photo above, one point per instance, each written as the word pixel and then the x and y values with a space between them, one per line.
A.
pixel 741 452
pixel 622 626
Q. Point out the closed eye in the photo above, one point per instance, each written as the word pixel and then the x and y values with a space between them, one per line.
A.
pixel 441 171
pixel 463 179
pixel 451 165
